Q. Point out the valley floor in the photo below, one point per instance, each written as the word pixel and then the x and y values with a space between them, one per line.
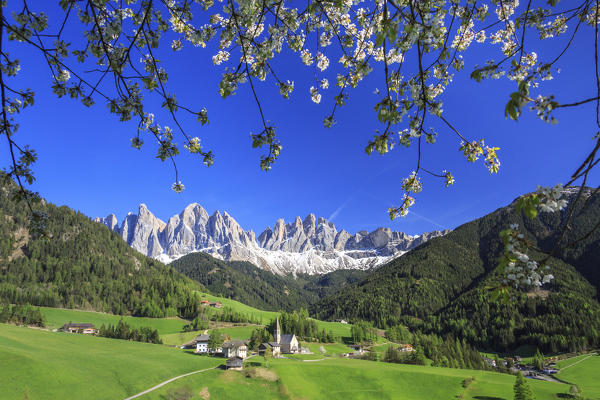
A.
pixel 50 365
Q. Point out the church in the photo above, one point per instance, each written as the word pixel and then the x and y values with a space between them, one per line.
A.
pixel 286 344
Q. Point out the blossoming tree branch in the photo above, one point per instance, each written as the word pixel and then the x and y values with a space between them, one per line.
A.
pixel 419 45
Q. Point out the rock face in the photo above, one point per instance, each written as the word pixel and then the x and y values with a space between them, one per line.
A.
pixel 312 245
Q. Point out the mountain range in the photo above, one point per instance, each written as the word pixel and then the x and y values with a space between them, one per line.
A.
pixel 309 246
pixel 442 286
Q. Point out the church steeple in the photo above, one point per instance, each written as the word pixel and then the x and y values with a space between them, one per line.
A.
pixel 277 332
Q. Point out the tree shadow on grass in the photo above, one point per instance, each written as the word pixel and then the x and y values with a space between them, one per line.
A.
pixel 488 398
pixel 253 364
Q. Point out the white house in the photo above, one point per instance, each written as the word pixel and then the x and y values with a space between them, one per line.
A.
pixel 274 346
pixel 235 348
pixel 202 343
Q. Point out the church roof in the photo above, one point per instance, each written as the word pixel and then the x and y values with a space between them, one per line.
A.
pixel 270 344
pixel 286 339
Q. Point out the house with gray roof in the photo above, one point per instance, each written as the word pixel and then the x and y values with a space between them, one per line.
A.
pixel 234 363
pixel 202 343
pixel 273 346
pixel 235 348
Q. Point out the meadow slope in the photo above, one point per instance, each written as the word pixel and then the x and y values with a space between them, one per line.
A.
pixel 56 365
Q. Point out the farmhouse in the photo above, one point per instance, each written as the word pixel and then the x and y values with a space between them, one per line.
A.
pixel 234 363
pixel 274 346
pixel 215 304
pixel 405 347
pixel 202 343
pixel 87 329
pixel 235 348
pixel 357 347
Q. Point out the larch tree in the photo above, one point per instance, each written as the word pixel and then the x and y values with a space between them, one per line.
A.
pixel 522 389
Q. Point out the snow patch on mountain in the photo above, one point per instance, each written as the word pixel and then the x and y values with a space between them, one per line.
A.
pixel 310 246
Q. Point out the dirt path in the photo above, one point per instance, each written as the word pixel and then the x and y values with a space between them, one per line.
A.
pixel 174 379
pixel 577 362
pixel 169 381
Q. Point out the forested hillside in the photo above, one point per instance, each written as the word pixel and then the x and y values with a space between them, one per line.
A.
pixel 83 265
pixel 443 286
pixel 244 282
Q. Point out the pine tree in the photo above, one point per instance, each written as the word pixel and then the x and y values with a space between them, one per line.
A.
pixel 538 360
pixel 215 340
pixel 522 389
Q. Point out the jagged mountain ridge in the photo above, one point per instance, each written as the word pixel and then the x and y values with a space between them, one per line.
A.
pixel 310 246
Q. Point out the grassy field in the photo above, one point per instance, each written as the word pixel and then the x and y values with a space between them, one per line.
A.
pixel 254 383
pixel 331 349
pixel 56 365
pixel 353 379
pixel 584 371
pixel 338 329
pixel 234 332
pixel 262 316
pixel 357 379
pixel 562 364
pixel 51 365
pixel 57 317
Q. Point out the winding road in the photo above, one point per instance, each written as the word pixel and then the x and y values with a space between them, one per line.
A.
pixel 169 381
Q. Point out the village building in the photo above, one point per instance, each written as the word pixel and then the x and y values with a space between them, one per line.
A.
pixel 405 347
pixel 274 346
pixel 202 343
pixel 288 343
pixel 86 329
pixel 235 363
pixel 235 348
pixel 357 348
pixel 215 304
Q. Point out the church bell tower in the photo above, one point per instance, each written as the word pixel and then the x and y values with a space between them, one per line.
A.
pixel 277 332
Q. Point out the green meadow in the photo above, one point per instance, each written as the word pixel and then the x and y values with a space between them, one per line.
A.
pixel 57 317
pixel 351 379
pixel 584 371
pixel 235 333
pixel 263 316
pixel 50 365
pixel 254 383
pixel 358 379
pixel 338 329
pixel 56 365
pixel 170 329
pixel 331 349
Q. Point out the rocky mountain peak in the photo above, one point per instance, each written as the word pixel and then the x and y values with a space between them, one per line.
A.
pixel 312 245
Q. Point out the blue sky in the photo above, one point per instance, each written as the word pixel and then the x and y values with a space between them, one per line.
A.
pixel 86 162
